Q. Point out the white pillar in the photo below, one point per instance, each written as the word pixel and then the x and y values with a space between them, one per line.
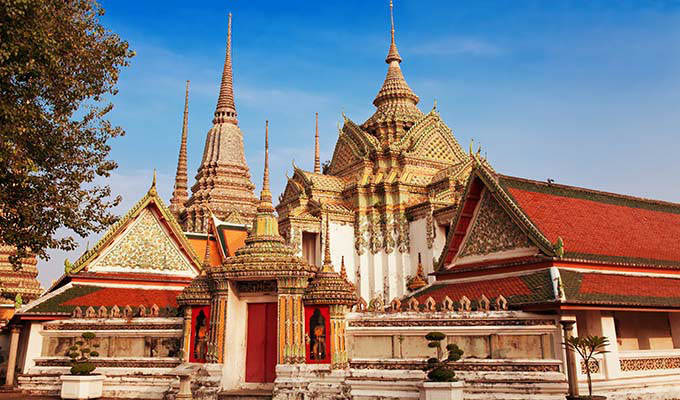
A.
pixel 612 364
pixel 13 350
pixel 674 321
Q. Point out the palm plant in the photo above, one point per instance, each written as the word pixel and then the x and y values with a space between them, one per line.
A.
pixel 588 347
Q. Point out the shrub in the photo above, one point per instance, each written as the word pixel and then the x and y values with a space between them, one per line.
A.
pixel 81 354
pixel 438 368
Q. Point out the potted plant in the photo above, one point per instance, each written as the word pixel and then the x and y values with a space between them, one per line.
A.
pixel 82 383
pixel 441 381
pixel 588 347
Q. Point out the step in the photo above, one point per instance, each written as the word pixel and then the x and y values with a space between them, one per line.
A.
pixel 245 394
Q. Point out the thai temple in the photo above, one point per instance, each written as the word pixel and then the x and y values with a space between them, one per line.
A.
pixel 222 294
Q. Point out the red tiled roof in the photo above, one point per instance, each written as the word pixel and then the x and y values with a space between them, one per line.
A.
pixel 594 283
pixel 111 296
pixel 620 290
pixel 601 224
pixel 529 288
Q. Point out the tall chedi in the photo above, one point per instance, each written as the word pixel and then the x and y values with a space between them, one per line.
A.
pixel 180 194
pixel 390 189
pixel 223 183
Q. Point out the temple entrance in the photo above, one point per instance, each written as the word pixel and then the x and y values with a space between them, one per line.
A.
pixel 261 345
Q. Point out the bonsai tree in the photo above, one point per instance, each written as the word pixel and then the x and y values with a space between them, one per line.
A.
pixel 438 368
pixel 588 347
pixel 81 354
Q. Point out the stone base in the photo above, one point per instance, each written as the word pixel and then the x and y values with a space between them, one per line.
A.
pixel 441 390
pixel 81 387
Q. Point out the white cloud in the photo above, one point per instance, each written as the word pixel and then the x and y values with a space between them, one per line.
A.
pixel 456 46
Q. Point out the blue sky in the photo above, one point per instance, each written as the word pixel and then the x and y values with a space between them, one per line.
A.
pixel 584 92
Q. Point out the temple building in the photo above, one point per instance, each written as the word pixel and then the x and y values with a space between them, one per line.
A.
pixel 403 233
pixel 391 189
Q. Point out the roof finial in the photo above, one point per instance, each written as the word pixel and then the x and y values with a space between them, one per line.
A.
pixel 266 194
pixel 327 265
pixel 180 194
pixel 317 161
pixel 343 270
pixel 226 109
pixel 393 54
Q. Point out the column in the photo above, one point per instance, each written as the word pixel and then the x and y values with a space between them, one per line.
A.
pixel 674 322
pixel 186 334
pixel 291 323
pixel 572 378
pixel 612 363
pixel 13 350
pixel 218 316
pixel 337 335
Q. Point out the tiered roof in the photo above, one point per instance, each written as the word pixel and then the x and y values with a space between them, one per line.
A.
pixel 328 286
pixel 559 245
pixel 265 255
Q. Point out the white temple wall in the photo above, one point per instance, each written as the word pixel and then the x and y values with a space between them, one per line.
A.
pixel 235 330
pixel 419 244
pixel 342 244
pixel 32 346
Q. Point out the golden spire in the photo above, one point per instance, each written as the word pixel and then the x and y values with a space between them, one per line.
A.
pixel 393 54
pixel 152 189
pixel 265 223
pixel 266 194
pixel 317 161
pixel 226 109
pixel 343 270
pixel 327 264
pixel 180 194
pixel 206 257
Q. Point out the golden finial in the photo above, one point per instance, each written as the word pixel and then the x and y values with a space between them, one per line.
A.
pixel 152 189
pixel 343 270
pixel 472 144
pixel 393 54
pixel 327 265
pixel 434 107
pixel 317 160
pixel 266 195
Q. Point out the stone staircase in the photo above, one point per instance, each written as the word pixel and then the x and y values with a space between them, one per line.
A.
pixel 245 395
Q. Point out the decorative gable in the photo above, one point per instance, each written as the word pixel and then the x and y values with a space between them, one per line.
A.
pixel 431 139
pixel 144 246
pixel 493 231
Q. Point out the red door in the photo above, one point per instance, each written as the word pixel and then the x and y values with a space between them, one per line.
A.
pixel 261 344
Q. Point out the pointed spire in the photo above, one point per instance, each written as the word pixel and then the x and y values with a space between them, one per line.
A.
pixel 206 256
pixel 180 194
pixel 226 109
pixel 317 161
pixel 327 264
pixel 343 270
pixel 393 54
pixel 266 194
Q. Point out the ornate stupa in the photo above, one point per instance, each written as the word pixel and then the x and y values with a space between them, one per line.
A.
pixel 223 184
pixel 17 286
pixel 265 254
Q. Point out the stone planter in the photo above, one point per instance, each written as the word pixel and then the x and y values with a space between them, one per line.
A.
pixel 82 387
pixel 441 390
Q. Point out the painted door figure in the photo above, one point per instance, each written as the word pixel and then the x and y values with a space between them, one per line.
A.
pixel 318 335
pixel 199 334
pixel 261 344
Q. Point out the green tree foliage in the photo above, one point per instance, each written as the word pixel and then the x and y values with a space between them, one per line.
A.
pixel 81 353
pixel 588 347
pixel 58 65
pixel 438 368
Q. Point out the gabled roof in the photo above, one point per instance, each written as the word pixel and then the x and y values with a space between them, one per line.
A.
pixel 149 214
pixel 63 301
pixel 594 226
